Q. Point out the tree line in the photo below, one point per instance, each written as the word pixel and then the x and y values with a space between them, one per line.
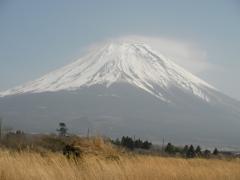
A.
pixel 189 151
pixel 132 144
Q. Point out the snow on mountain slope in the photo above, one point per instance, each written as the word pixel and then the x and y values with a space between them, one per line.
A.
pixel 133 63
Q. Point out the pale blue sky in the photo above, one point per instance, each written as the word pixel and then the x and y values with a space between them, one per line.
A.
pixel 39 36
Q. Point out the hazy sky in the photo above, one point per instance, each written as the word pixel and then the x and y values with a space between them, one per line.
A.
pixel 39 36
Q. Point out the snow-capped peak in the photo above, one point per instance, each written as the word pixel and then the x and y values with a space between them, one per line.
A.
pixel 130 62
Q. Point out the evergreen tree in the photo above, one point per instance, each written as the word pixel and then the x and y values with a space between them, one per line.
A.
pixel 198 151
pixel 215 152
pixel 170 149
pixel 191 152
pixel 146 145
pixel 127 142
pixel 206 153
pixel 138 143
pixel 185 150
pixel 62 129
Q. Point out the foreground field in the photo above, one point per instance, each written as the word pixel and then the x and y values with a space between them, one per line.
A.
pixel 54 166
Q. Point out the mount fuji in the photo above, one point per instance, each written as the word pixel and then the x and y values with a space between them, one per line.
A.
pixel 125 88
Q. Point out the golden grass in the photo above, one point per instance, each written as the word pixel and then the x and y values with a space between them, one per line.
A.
pixel 54 166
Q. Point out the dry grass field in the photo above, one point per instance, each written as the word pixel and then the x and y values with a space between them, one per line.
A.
pixel 33 166
pixel 101 161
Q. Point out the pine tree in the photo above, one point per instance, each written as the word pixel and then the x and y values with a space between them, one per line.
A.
pixel 191 152
pixel 138 143
pixel 169 148
pixel 207 153
pixel 198 151
pixel 127 142
pixel 215 152
pixel 146 145
pixel 62 129
pixel 185 150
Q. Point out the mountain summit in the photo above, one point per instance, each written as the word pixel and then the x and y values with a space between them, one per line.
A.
pixel 125 88
pixel 133 63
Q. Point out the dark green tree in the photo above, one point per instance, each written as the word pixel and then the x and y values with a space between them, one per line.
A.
pixel 207 153
pixel 198 151
pixel 146 145
pixel 185 150
pixel 138 143
pixel 191 152
pixel 127 142
pixel 215 152
pixel 62 129
pixel 170 149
